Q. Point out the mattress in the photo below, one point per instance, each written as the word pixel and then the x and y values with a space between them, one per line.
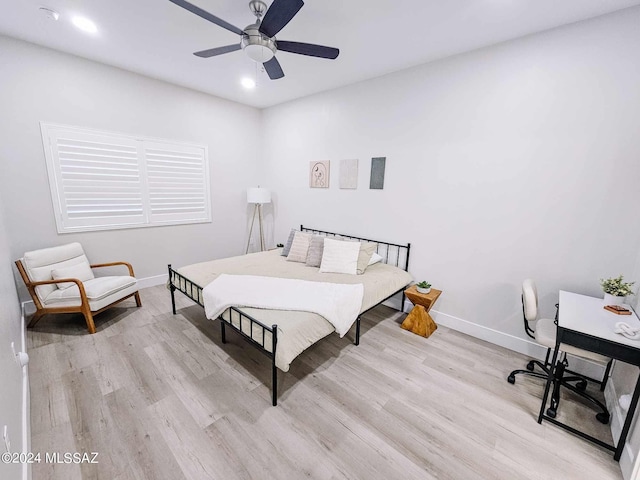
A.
pixel 296 330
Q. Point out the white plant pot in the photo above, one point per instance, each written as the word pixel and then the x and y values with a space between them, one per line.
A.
pixel 423 290
pixel 613 300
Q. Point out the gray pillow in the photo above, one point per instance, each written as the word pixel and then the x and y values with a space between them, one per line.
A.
pixel 299 247
pixel 316 247
pixel 287 246
pixel 367 249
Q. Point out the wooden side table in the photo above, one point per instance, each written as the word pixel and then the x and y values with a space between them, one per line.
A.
pixel 419 321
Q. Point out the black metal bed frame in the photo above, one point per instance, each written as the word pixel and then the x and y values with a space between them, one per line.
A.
pixel 266 338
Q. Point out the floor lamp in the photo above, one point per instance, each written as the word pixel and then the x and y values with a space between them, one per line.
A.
pixel 257 196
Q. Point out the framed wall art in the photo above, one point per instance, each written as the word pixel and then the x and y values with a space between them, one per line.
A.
pixel 349 174
pixel 377 173
pixel 319 174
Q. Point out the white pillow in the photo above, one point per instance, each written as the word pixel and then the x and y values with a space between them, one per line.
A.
pixel 375 258
pixel 81 271
pixel 299 247
pixel 340 257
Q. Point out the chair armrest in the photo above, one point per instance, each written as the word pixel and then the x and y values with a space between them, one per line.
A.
pixel 112 264
pixel 59 280
pixel 83 294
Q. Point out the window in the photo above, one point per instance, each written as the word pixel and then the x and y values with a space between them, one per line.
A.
pixel 101 180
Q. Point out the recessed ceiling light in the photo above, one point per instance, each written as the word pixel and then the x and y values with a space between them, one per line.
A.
pixel 248 83
pixel 84 24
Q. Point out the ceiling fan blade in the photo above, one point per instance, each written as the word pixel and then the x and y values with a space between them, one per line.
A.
pixel 279 14
pixel 309 49
pixel 212 52
pixel 273 68
pixel 207 16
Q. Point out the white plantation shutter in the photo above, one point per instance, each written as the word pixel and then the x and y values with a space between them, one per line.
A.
pixel 97 178
pixel 177 179
pixel 101 180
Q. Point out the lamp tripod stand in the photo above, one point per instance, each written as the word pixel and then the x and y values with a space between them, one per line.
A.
pixel 257 209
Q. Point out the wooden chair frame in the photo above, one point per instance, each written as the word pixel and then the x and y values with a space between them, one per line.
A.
pixel 84 308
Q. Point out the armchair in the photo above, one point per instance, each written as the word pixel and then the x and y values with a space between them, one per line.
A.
pixel 60 280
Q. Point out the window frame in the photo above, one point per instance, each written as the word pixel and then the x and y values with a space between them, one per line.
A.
pixel 50 131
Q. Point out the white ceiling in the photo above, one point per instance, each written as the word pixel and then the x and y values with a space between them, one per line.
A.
pixel 375 37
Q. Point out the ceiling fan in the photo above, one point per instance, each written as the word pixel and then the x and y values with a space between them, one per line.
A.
pixel 258 39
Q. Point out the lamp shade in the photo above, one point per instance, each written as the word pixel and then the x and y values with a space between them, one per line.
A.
pixel 258 195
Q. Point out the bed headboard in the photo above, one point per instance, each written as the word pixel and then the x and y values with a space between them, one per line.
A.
pixel 391 253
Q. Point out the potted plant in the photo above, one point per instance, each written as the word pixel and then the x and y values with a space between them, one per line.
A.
pixel 615 290
pixel 423 287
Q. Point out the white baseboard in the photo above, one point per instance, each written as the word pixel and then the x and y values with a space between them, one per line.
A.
pixel 26 401
pixel 517 344
pixel 526 347
pixel 153 281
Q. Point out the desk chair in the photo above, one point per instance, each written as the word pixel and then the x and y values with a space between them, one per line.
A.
pixel 545 334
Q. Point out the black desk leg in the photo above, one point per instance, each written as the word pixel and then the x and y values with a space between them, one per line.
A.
pixel 549 379
pixel 627 422
pixel 555 396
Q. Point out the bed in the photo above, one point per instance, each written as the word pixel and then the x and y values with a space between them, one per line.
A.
pixel 281 334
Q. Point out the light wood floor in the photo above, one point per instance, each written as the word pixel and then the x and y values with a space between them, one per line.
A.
pixel 160 397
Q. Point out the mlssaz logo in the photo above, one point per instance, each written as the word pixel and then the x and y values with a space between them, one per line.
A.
pixel 68 457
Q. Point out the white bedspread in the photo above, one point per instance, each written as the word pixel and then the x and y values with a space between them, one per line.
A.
pixel 338 303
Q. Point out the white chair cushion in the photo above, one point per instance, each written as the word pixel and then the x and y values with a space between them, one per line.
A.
pixel 81 271
pixel 100 291
pixel 530 300
pixel 546 335
pixel 40 263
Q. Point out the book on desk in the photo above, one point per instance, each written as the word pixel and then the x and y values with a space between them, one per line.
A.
pixel 617 309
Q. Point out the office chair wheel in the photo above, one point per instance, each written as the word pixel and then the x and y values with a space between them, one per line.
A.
pixel 530 366
pixel 511 379
pixel 603 417
pixel 581 385
pixel 552 412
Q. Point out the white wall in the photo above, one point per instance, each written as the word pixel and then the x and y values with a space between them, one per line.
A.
pixel 11 376
pixel 41 84
pixel 514 161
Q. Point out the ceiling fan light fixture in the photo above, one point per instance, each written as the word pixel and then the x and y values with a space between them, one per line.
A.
pixel 256 45
pixel 258 53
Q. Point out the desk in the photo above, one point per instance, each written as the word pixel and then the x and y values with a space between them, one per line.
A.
pixel 584 323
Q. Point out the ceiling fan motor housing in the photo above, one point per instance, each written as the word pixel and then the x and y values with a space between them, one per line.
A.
pixel 256 45
pixel 258 40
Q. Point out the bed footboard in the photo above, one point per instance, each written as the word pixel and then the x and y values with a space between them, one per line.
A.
pixel 261 336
